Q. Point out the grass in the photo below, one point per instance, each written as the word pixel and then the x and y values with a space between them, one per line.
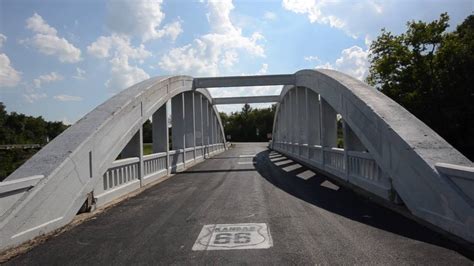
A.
pixel 147 148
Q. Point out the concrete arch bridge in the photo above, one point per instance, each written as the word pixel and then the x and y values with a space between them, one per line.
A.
pixel 387 153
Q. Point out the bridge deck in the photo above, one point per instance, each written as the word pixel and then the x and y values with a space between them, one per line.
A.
pixel 310 221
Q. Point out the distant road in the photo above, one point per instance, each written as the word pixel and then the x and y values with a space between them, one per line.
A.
pixel 278 212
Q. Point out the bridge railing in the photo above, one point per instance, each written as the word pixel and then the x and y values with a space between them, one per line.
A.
pixel 12 191
pixel 358 168
pixel 124 175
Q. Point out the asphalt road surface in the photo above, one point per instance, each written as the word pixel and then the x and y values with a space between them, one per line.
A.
pixel 309 221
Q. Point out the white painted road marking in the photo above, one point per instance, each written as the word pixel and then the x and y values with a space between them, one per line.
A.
pixel 330 185
pixel 306 174
pixel 246 162
pixel 247 155
pixel 292 167
pixel 233 236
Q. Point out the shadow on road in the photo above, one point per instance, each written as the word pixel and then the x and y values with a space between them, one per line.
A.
pixel 345 202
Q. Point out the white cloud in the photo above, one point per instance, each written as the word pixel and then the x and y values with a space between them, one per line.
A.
pixel 140 18
pixel 47 78
pixel 263 70
pixel 123 75
pixel 47 41
pixel 313 9
pixel 312 58
pixel 269 15
pixel 37 24
pixel 367 17
pixel 219 48
pixel 79 73
pixel 9 77
pixel 353 61
pixel 113 45
pixel 120 51
pixel 67 98
pixel 32 97
pixel 3 39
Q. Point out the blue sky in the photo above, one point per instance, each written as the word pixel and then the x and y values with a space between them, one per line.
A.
pixel 60 59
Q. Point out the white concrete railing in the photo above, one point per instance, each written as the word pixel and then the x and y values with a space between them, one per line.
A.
pixel 123 176
pixel 357 168
pixel 12 191
pixel 154 163
pixel 334 158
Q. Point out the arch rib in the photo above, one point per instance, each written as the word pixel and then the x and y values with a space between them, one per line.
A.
pixel 406 151
pixel 77 162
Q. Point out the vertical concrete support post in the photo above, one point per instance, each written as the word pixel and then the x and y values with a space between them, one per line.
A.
pixel 302 117
pixel 290 115
pixel 198 135
pixel 328 125
pixel 296 120
pixel 177 119
pixel 209 118
pixel 287 122
pixel 214 126
pixel 282 125
pixel 160 133
pixel 160 130
pixel 205 129
pixel 314 118
pixel 188 121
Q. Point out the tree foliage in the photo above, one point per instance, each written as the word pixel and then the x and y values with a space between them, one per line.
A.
pixel 429 71
pixel 18 128
pixel 249 124
pixel 22 129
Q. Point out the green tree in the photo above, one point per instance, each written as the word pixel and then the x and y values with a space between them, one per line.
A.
pixel 428 70
pixel 244 125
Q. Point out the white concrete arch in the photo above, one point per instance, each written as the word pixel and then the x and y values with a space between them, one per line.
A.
pixel 433 179
pixel 47 191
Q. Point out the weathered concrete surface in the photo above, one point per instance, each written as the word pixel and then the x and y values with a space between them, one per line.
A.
pixel 311 221
pixel 239 81
pixel 75 161
pixel 403 146
pixel 248 99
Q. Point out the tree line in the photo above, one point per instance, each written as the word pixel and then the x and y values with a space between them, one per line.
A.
pixel 249 125
pixel 18 128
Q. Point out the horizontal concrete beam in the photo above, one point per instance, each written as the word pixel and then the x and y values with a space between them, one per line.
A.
pixel 241 81
pixel 251 99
